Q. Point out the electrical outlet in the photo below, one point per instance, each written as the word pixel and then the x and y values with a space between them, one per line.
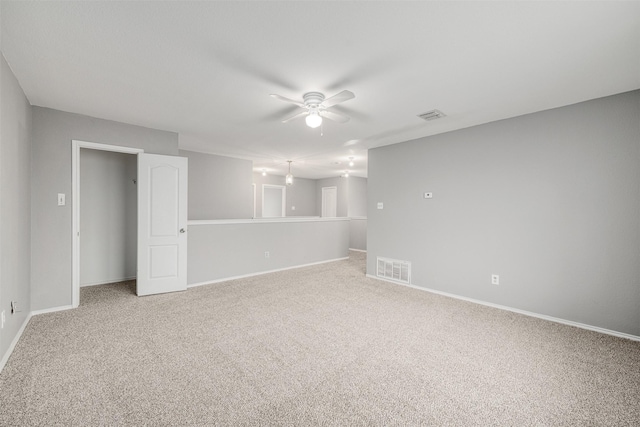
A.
pixel 428 195
pixel 495 279
pixel 266 254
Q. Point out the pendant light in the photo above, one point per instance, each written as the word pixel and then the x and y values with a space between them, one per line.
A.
pixel 289 178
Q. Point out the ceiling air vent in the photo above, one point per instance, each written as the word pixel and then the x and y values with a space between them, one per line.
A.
pixel 432 115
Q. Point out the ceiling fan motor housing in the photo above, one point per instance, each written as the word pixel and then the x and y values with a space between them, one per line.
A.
pixel 313 99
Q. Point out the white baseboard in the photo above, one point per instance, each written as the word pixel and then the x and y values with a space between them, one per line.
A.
pixel 358 250
pixel 52 310
pixel 226 279
pixel 516 310
pixel 6 356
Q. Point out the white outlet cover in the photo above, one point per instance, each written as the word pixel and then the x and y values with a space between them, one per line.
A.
pixel 495 279
pixel 380 205
pixel 428 195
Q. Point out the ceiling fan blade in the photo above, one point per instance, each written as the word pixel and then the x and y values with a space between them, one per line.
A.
pixel 345 95
pixel 304 113
pixel 336 117
pixel 282 98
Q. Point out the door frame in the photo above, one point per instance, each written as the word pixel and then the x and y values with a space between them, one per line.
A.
pixel 76 145
pixel 283 192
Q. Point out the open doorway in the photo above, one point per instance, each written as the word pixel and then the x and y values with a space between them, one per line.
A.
pixel 104 199
pixel 273 201
pixel 108 217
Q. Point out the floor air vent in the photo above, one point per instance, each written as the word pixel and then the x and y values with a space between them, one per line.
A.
pixel 391 269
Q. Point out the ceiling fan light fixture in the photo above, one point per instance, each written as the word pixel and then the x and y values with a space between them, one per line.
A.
pixel 313 120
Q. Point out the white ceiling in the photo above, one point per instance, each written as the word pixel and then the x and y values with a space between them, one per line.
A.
pixel 206 69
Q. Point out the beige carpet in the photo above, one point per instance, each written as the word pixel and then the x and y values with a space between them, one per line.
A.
pixel 321 345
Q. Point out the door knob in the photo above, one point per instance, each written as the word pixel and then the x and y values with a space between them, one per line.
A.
pixel 182 230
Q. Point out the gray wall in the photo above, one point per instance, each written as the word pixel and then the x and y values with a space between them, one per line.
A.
pixel 357 196
pixel 229 250
pixel 52 134
pixel 108 216
pixel 358 234
pixel 357 208
pixel 342 208
pixel 549 201
pixel 15 203
pixel 302 194
pixel 219 186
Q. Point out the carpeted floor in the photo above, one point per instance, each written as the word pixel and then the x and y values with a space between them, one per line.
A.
pixel 320 345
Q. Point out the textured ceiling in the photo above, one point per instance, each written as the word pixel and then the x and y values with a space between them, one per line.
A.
pixel 206 69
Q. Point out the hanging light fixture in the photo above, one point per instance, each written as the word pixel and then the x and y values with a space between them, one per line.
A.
pixel 264 172
pixel 313 120
pixel 289 178
pixel 346 174
pixel 351 161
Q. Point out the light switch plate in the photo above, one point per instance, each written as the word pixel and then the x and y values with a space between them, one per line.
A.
pixel 61 199
pixel 428 195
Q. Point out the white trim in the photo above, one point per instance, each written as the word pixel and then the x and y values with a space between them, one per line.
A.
pixel 264 220
pixel 283 190
pixel 75 200
pixel 358 250
pixel 7 354
pixel 243 276
pixel 52 310
pixel 516 310
pixel 358 218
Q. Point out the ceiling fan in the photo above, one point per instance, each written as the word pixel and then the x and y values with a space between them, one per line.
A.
pixel 316 107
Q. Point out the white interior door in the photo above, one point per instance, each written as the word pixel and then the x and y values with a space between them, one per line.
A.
pixel 329 201
pixel 162 224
